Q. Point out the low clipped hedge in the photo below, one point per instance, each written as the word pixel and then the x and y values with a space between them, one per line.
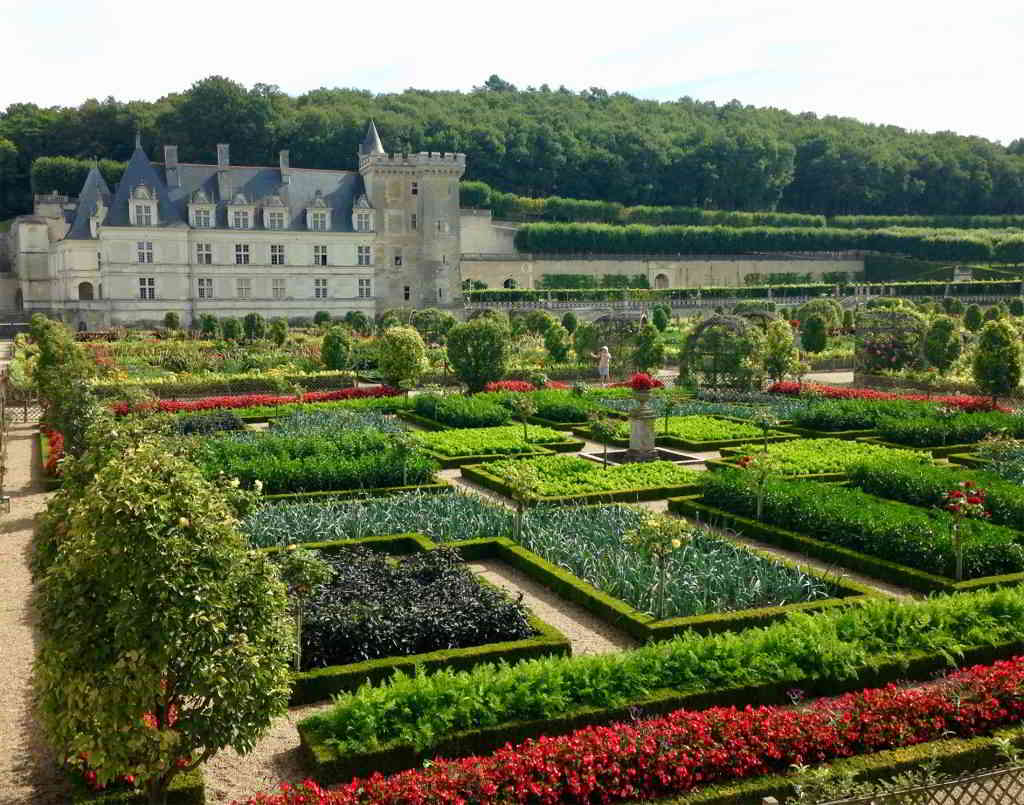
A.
pixel 410 719
pixel 186 788
pixel 854 520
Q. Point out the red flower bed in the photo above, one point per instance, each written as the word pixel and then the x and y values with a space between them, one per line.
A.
pixel 965 402
pixel 685 749
pixel 641 381
pixel 55 452
pixel 247 400
pixel 522 385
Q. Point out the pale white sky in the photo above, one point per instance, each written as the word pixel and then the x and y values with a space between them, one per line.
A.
pixel 920 65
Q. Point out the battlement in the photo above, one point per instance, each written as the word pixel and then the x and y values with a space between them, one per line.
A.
pixel 423 159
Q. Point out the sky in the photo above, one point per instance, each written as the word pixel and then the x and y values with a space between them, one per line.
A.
pixel 928 66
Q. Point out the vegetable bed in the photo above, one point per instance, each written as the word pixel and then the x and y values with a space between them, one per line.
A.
pixel 574 479
pixel 944 431
pixel 460 446
pixel 824 456
pixel 697 432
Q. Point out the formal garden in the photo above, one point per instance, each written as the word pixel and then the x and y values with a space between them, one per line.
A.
pixel 382 541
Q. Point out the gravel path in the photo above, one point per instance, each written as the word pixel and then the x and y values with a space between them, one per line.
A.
pixel 28 772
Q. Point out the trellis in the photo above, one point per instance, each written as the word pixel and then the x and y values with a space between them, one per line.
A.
pixel 869 324
pixel 991 788
pixel 718 354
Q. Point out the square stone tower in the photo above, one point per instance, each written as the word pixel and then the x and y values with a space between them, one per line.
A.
pixel 415 211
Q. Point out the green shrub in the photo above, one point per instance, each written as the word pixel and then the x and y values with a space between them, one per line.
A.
pixel 556 342
pixel 1016 307
pixel 828 309
pixel 479 351
pixel 837 415
pixel 973 319
pixel 942 343
pixel 461 412
pixel 569 322
pixel 828 647
pixel 321 317
pixel 208 325
pixel 279 330
pixel 231 329
pixel 402 356
pixel 780 353
pixel 853 519
pixel 932 429
pixel 556 405
pixel 336 349
pixel 660 318
pixel 649 350
pixel 172 321
pixel 997 360
pixel 814 334
pixel 254 326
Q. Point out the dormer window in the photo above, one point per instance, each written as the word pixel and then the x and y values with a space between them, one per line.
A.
pixel 318 214
pixel 142 209
pixel 274 212
pixel 362 214
pixel 362 222
pixel 241 213
pixel 201 213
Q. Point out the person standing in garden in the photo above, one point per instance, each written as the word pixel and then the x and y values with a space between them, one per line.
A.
pixel 604 359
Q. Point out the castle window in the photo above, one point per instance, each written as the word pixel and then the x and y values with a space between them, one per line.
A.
pixel 320 289
pixel 398 257
pixel 510 283
pixel 201 219
pixel 406 293
pixel 661 281
pixel 364 289
pixel 243 287
pixel 145 251
pixel 241 254
pixel 85 291
pixel 205 287
pixel 318 221
pixel 240 219
pixel 277 254
pixel 440 294
pixel 143 215
pixel 412 221
pixel 274 220
pixel 444 259
pixel 319 255
pixel 362 222
pixel 442 226
pixel 204 254
pixel 147 287
pixel 363 255
pixel 414 189
pixel 277 288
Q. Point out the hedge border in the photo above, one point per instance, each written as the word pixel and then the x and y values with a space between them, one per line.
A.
pixel 541 449
pixel 49 481
pixel 883 569
pixel 186 788
pixel 727 464
pixel 968 460
pixel 663 440
pixel 332 381
pixel 813 433
pixel 323 683
pixel 938 451
pixel 439 485
pixel 329 768
pixel 478 474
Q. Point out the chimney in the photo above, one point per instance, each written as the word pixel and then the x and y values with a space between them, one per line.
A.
pixel 171 166
pixel 223 172
pixel 286 170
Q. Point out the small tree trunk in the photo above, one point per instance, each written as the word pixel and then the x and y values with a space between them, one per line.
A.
pixel 661 588
pixel 298 636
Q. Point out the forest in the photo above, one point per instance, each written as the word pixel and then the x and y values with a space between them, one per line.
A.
pixel 539 141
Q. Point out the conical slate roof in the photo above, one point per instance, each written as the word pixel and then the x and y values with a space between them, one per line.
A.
pixel 94 189
pixel 139 170
pixel 371 142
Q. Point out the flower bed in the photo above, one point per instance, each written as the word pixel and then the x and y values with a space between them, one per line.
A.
pixel 253 400
pixel 687 749
pixel 377 607
pixel 52 445
pixel 575 479
pixel 895 532
pixel 824 456
pixel 409 719
pixel 522 386
pixel 964 402
pixel 556 408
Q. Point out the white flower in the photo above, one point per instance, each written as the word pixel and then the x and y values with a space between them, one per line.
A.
pixel 234 483
pixel 258 485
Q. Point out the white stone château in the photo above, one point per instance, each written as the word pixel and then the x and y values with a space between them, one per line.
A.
pixel 228 240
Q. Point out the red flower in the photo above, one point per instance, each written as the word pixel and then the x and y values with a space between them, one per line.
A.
pixel 642 381
pixel 252 400
pixel 974 499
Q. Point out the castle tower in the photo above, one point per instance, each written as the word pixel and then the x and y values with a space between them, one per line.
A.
pixel 416 202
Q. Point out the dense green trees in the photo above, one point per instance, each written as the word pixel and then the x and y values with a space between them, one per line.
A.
pixel 997 359
pixel 611 148
pixel 479 351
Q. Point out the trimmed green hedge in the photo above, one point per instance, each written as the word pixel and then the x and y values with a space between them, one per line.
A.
pixel 936 431
pixel 439 485
pixel 186 788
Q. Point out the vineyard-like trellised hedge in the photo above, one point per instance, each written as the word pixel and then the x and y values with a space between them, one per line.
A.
pixel 950 244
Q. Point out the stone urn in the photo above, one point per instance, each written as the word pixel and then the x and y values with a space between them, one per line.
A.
pixel 641 428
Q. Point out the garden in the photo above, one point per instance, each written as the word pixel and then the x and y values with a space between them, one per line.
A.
pixel 387 552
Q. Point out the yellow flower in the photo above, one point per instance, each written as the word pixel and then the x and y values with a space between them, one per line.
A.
pixel 183 522
pixel 677 544
pixel 234 483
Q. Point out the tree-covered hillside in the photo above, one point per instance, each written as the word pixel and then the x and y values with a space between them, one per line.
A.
pixel 542 141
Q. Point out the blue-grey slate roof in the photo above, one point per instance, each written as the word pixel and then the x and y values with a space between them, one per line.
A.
pixel 140 170
pixel 94 189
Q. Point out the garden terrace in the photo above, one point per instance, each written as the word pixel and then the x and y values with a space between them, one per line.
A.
pixel 823 654
pixel 828 459
pixel 890 540
pixel 571 479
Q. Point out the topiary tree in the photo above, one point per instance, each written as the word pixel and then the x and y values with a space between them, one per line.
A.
pixel 231 329
pixel 780 352
pixel 973 319
pixel 172 321
pixel 433 324
pixel 538 322
pixel 848 320
pixel 952 306
pixel 358 322
pixel 278 330
pixel 402 356
pixel 993 313
pixel 814 334
pixel 942 343
pixel 585 341
pixel 208 325
pixel 556 342
pixel 336 348
pixel 183 647
pixel 254 326
pixel 997 360
pixel 1016 307
pixel 829 309
pixel 479 352
pixel 659 318
pixel 321 318
pixel 648 350
pixel 569 322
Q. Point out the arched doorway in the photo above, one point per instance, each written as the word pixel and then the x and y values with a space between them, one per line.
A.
pixel 661 281
pixel 85 291
pixel 510 283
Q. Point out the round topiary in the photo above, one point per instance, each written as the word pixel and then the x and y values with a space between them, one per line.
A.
pixel 1016 307
pixel 231 328
pixel 479 351
pixel 814 333
pixel 336 348
pixel 556 342
pixel 942 343
pixel 172 321
pixel 402 356
pixel 279 330
pixel 569 321
pixel 973 319
pixel 997 360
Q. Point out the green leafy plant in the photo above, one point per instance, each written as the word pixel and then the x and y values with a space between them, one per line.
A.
pixel 658 537
pixel 566 476
pixel 254 326
pixel 523 407
pixel 231 329
pixel 814 334
pixel 649 349
pixel 997 360
pixel 278 330
pixel 302 571
pixel 826 455
pixel 942 343
pixel 172 321
pixel 479 351
pixel 461 412
pixel 489 441
pixel 336 348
